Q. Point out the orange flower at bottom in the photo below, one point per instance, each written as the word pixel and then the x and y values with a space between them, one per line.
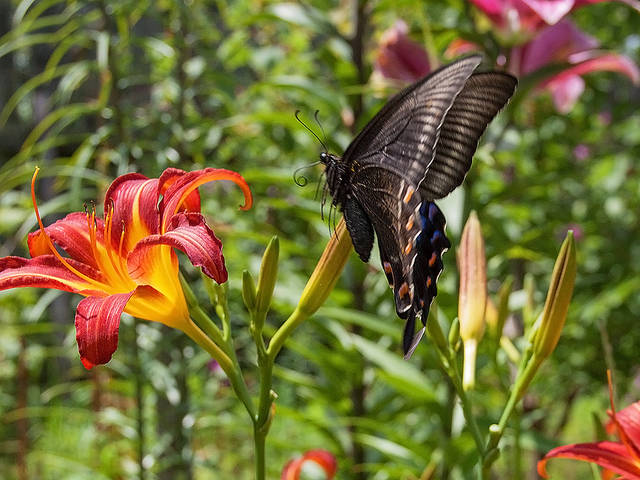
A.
pixel 125 262
pixel 622 458
pixel 321 458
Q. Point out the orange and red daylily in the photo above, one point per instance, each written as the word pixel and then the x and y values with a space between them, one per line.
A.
pixel 125 262
pixel 620 458
pixel 319 458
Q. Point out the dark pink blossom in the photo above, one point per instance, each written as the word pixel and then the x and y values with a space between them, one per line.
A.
pixel 399 57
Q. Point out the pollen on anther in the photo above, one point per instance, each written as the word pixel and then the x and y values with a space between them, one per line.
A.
pixel 409 194
pixel 409 224
pixel 407 249
pixel 433 259
pixel 387 267
pixel 403 290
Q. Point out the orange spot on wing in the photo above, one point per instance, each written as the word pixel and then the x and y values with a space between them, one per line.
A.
pixel 433 258
pixel 407 249
pixel 387 267
pixel 409 194
pixel 428 281
pixel 403 290
pixel 409 224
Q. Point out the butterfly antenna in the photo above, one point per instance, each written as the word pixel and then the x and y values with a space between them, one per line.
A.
pixel 301 180
pixel 312 132
pixel 324 135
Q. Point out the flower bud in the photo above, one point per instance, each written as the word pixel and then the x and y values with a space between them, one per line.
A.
pixel 248 290
pixel 556 305
pixel 268 275
pixel 327 271
pixel 473 294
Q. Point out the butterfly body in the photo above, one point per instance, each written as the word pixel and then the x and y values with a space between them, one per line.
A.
pixel 416 149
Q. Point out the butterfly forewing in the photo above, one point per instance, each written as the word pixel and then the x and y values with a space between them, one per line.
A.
pixel 482 97
pixel 402 136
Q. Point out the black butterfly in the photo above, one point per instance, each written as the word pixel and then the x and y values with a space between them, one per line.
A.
pixel 416 149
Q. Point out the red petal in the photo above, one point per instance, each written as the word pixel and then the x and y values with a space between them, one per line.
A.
pixel 46 271
pixel 168 178
pixel 629 421
pixel 189 233
pixel 610 455
pixel 292 469
pixel 72 235
pixel 565 91
pixel 182 187
pixel 133 199
pixel 323 458
pixel 97 323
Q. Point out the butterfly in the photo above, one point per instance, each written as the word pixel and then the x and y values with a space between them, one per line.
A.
pixel 416 149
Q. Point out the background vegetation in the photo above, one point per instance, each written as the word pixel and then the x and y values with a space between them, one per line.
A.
pixel 94 89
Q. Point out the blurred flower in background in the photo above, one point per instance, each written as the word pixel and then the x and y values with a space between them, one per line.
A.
pixel 399 57
pixel 313 465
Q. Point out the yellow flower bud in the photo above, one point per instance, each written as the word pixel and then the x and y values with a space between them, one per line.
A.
pixel 327 271
pixel 472 299
pixel 558 298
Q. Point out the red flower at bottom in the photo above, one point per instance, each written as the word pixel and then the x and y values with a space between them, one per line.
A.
pixel 622 458
pixel 321 459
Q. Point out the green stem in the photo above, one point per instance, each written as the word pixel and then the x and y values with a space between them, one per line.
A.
pixel 496 431
pixel 228 365
pixel 281 335
pixel 466 404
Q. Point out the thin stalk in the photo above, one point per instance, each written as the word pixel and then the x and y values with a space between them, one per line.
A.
pixel 139 400
pixel 229 366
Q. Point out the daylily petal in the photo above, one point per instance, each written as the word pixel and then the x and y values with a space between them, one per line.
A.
pixel 460 47
pixel 323 458
pixel 182 187
pixel 399 57
pixel 46 271
pixel 72 235
pixel 168 178
pixel 610 455
pixel 629 420
pixel 132 199
pixel 189 233
pixel 97 323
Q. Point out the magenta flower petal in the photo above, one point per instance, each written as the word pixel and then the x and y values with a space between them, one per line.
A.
pixel 399 57
pixel 97 324
pixel 554 44
pixel 551 11
pixel 565 90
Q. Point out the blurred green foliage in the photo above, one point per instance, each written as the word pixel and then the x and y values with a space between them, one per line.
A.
pixel 94 89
